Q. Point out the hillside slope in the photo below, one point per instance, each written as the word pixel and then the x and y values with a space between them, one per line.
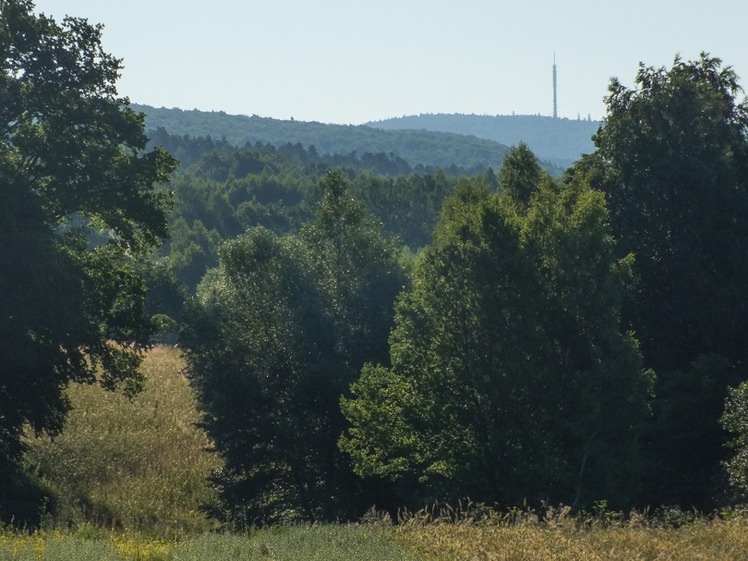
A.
pixel 427 148
pixel 558 141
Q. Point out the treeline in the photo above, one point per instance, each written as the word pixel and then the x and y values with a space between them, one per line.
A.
pixel 556 341
pixel 221 191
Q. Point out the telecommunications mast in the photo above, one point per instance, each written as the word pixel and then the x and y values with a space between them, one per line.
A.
pixel 555 99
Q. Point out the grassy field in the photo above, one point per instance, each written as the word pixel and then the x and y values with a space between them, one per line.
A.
pixel 568 540
pixel 128 478
pixel 454 541
pixel 303 543
pixel 140 464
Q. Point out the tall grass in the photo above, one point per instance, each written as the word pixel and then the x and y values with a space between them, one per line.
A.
pixel 418 539
pixel 559 536
pixel 140 464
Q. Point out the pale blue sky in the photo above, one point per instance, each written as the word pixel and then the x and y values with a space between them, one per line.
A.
pixel 349 61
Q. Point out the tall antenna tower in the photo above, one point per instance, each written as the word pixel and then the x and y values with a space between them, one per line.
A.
pixel 555 99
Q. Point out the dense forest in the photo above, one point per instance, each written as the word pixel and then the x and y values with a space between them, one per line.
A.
pixel 364 328
pixel 558 141
pixel 228 190
pixel 420 148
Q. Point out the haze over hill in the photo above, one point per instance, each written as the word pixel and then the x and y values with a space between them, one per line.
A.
pixel 466 141
pixel 425 148
pixel 558 141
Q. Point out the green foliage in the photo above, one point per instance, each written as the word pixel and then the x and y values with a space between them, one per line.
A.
pixel 678 154
pixel 414 147
pixel 735 421
pixel 408 206
pixel 229 190
pixel 520 175
pixel 673 159
pixel 78 208
pixel 164 300
pixel 511 378
pixel 274 340
pixel 359 272
pixel 257 359
pixel 192 251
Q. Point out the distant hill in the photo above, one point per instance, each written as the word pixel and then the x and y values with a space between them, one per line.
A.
pixel 558 141
pixel 416 147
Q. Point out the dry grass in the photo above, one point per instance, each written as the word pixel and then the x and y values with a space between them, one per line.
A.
pixel 140 464
pixel 564 538
pixel 417 539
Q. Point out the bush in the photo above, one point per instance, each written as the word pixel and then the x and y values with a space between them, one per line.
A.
pixel 735 421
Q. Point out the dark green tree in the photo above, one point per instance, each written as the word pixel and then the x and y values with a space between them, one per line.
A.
pixel 193 249
pixel 521 175
pixel 673 160
pixel 510 377
pixel 259 353
pixel 275 338
pixel 360 274
pixel 78 208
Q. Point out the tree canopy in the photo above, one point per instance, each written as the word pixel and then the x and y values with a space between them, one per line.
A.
pixel 511 378
pixel 275 337
pixel 672 158
pixel 79 206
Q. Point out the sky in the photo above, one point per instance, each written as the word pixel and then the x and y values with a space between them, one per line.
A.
pixel 352 61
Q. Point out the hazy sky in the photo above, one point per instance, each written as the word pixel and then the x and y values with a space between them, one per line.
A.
pixel 350 61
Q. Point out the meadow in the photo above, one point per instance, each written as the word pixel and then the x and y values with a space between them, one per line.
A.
pixel 140 463
pixel 128 480
pixel 528 540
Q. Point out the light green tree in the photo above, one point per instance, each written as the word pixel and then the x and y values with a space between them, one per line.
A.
pixel 511 378
pixel 735 421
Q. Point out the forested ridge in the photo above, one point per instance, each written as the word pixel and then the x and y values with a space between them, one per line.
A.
pixel 417 147
pixel 362 329
pixel 559 141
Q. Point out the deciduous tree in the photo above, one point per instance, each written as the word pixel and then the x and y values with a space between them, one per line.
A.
pixel 78 207
pixel 274 341
pixel 673 160
pixel 511 378
pixel 735 421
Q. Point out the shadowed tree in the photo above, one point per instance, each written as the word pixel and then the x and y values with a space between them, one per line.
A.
pixel 78 209
pixel 673 160
pixel 275 337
